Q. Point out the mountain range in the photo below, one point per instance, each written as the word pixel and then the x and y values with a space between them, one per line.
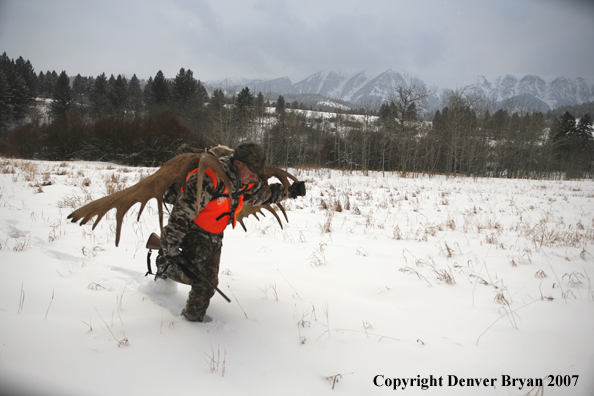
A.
pixel 531 91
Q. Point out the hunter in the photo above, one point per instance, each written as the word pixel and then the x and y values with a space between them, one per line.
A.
pixel 188 239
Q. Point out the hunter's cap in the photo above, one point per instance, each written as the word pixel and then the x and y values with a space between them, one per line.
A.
pixel 252 155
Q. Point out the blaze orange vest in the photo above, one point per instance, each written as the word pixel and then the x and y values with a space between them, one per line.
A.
pixel 214 217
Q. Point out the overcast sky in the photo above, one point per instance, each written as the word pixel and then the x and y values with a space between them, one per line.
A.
pixel 269 39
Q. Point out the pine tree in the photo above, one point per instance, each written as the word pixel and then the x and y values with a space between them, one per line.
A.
pixel 79 88
pixel 564 126
pixel 118 94
pixel 41 84
pixel 63 99
pixel 218 100
pixel 280 105
pixel 25 70
pixel 80 92
pixel 184 87
pixel 244 109
pixel 5 104
pixel 148 95
pixel 134 97
pixel 49 82
pixel 19 95
pixel 573 144
pixel 160 88
pixel 21 88
pixel 385 113
pixel 584 128
pixel 99 98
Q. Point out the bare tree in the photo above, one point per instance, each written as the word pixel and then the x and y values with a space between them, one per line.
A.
pixel 405 107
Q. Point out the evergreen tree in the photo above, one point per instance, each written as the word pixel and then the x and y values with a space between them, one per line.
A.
pixel 218 100
pixel 184 87
pixel 160 89
pixel 280 105
pixel 385 112
pixel 41 84
pixel 80 92
pixel 21 88
pixel 118 94
pixel 46 87
pixel 148 95
pixel 584 129
pixel 135 97
pixel 564 127
pixel 573 144
pixel 25 70
pixel 99 98
pixel 5 104
pixel 63 99
pixel 244 110
pixel 79 88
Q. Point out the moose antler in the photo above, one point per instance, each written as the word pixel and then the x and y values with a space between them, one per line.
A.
pixel 173 171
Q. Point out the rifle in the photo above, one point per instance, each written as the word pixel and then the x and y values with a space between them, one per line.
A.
pixel 154 242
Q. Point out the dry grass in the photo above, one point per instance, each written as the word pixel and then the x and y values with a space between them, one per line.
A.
pixel 214 359
pixel 334 379
pixel 573 279
pixel 326 225
pixel 318 257
pixel 115 182
pixel 445 276
pixel 20 242
pixel 75 199
pixel 558 235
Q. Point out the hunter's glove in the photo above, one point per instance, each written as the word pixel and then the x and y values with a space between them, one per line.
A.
pixel 297 189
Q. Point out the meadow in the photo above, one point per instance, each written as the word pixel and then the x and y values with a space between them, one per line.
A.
pixel 419 284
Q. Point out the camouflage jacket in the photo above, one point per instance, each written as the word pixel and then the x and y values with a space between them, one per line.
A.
pixel 181 219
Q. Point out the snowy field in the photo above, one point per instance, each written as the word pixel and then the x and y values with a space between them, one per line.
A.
pixel 427 285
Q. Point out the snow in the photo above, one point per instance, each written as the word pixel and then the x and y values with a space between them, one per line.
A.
pixel 330 103
pixel 416 278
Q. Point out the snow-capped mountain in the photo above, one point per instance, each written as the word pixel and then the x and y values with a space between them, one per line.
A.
pixel 529 90
pixel 533 89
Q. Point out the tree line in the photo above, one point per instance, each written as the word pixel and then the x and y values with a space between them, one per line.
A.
pixel 143 123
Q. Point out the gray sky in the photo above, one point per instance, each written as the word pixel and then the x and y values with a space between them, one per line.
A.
pixel 275 38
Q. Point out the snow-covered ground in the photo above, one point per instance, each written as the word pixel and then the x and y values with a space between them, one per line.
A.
pixel 465 286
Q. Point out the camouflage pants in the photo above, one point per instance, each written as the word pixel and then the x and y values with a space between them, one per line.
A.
pixel 204 250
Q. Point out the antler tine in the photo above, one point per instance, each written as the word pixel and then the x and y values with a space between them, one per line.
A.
pixel 282 210
pixel 254 210
pixel 281 175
